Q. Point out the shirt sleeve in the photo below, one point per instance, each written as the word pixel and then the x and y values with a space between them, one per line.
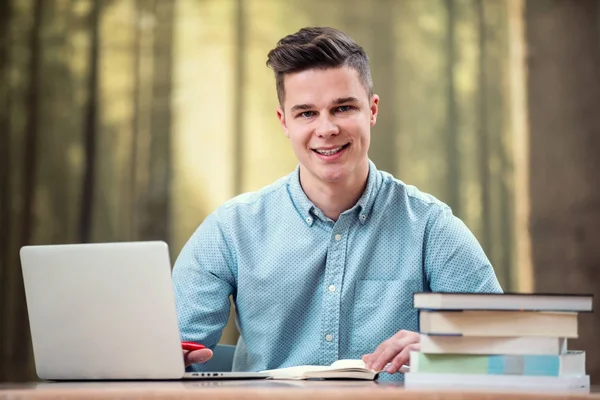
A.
pixel 203 281
pixel 454 259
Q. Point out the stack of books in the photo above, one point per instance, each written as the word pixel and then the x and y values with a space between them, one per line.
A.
pixel 499 341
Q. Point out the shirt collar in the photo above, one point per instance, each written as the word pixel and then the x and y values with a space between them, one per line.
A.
pixel 307 209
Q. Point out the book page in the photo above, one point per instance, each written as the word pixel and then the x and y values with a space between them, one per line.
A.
pixel 343 364
pixel 294 372
pixel 346 367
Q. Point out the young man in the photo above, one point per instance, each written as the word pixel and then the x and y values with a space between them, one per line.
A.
pixel 323 263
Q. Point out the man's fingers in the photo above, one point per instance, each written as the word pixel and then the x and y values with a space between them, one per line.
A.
pixel 401 334
pixel 197 356
pixel 392 348
pixel 369 359
pixel 389 349
pixel 402 358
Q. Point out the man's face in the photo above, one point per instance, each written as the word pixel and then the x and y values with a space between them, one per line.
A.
pixel 328 116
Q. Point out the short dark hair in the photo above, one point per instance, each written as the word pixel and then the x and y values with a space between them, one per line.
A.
pixel 317 47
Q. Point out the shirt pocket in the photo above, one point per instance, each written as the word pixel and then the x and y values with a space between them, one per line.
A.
pixel 382 308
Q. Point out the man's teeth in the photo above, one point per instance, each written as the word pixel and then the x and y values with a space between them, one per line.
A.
pixel 329 152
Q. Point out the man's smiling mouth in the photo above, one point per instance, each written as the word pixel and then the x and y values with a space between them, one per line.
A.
pixel 331 152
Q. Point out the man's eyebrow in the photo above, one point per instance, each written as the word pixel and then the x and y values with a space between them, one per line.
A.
pixel 342 100
pixel 339 100
pixel 302 107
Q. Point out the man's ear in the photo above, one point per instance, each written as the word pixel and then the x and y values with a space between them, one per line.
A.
pixel 374 109
pixel 281 118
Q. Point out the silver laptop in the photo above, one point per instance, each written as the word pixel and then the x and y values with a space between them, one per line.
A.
pixel 105 312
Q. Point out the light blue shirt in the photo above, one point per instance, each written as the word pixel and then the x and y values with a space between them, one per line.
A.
pixel 309 290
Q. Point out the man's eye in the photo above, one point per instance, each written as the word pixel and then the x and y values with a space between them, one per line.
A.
pixel 307 114
pixel 344 108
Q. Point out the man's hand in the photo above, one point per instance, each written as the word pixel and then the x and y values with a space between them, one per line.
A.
pixel 395 351
pixel 197 356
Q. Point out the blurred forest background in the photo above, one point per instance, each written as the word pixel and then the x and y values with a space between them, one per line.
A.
pixel 134 119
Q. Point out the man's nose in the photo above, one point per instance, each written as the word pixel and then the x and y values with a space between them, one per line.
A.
pixel 326 127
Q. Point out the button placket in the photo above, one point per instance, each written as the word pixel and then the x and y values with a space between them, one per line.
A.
pixel 334 271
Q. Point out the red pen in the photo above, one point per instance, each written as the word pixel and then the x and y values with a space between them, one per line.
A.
pixel 192 346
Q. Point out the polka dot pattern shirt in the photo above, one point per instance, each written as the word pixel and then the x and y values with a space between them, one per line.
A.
pixel 309 290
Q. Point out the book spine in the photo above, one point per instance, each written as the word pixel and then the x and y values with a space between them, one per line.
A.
pixel 527 365
pixel 452 344
pixel 538 384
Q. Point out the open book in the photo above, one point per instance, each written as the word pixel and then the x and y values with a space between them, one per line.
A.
pixel 341 369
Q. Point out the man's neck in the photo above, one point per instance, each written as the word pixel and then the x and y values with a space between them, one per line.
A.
pixel 336 197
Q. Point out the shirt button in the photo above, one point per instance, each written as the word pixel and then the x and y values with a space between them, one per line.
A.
pixel 308 219
pixel 331 288
pixel 362 217
pixel 338 237
pixel 329 337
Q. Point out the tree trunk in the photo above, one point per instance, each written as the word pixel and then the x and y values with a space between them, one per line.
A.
pixel 5 193
pixel 522 267
pixel 452 161
pixel 31 130
pixel 564 95
pixel 5 142
pixel 18 340
pixel 89 126
pixel 135 121
pixel 482 131
pixel 499 167
pixel 504 238
pixel 238 97
pixel 157 201
pixel 383 65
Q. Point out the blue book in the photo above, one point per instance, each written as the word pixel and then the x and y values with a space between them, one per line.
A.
pixel 571 363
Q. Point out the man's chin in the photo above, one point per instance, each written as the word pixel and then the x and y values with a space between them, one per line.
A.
pixel 329 173
pixel 339 175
